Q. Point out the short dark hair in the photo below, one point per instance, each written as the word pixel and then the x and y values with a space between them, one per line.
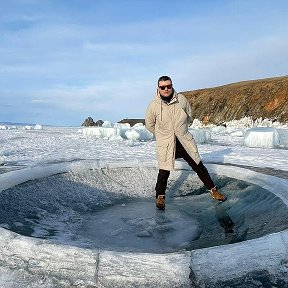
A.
pixel 164 78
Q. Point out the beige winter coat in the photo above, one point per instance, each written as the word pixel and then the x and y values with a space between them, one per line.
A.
pixel 168 121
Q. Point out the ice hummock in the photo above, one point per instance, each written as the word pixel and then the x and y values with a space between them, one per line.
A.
pixel 263 137
pixel 259 133
pixel 136 133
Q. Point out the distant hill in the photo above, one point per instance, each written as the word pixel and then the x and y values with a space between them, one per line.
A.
pixel 266 98
pixel 132 122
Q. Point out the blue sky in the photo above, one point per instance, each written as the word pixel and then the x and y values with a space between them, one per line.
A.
pixel 64 60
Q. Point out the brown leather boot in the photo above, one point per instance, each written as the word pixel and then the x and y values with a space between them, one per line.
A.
pixel 217 195
pixel 160 202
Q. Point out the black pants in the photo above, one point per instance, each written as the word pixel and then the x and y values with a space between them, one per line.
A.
pixel 200 170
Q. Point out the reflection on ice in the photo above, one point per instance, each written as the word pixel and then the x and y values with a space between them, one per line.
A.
pixel 223 218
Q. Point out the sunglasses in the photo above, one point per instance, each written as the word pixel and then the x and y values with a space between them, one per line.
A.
pixel 166 86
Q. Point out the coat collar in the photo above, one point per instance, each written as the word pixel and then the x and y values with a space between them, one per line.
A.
pixel 173 100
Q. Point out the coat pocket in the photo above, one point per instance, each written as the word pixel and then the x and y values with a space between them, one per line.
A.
pixel 162 151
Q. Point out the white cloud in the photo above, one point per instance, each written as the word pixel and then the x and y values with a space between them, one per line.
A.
pixel 99 99
pixel 260 58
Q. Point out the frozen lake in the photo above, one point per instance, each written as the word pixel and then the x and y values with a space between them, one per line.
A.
pixel 79 211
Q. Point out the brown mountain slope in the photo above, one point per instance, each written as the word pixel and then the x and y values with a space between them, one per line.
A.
pixel 266 98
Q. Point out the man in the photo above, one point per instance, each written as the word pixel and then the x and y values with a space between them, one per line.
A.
pixel 168 116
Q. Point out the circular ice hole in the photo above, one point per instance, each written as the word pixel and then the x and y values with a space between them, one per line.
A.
pixel 114 209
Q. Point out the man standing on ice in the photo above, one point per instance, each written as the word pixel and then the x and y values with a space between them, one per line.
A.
pixel 168 116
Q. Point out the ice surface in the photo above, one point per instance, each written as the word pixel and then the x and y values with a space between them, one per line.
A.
pixel 262 261
pixel 82 209
pixel 30 262
pixel 34 263
pixel 237 133
pixel 137 226
pixel 90 199
pixel 255 263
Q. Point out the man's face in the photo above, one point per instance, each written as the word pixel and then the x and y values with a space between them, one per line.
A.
pixel 165 88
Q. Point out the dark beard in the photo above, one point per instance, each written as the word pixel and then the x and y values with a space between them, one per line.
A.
pixel 168 98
